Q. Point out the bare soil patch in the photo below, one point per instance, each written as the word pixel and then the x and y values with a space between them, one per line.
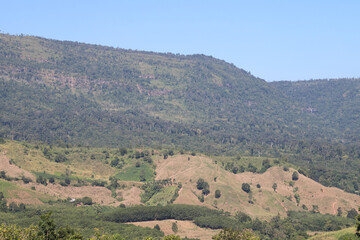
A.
pixel 19 196
pixel 130 196
pixel 262 202
pixel 11 169
pixel 99 195
pixel 185 228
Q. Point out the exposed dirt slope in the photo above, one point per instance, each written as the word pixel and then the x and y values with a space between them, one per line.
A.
pixel 266 202
pixel 11 169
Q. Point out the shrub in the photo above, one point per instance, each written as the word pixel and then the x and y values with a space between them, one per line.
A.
pixel 174 227
pixel 217 193
pixel 60 158
pixel 52 180
pixel 157 227
pixel 87 201
pixel 245 187
pixel 274 186
pixel 26 180
pixel 41 180
pixel 295 176
pixel 352 213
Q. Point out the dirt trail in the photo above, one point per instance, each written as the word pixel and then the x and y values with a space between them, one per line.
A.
pixel 282 204
pixel 333 207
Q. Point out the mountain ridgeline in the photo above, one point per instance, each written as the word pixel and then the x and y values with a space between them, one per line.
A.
pixel 94 95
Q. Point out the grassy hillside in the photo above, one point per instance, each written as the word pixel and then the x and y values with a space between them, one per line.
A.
pixel 348 233
pixel 113 176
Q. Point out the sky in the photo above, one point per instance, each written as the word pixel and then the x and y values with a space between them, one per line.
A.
pixel 274 40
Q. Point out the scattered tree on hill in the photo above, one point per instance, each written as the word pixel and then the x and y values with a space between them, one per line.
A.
pixel 297 198
pixel 157 227
pixel 41 180
pixel 274 186
pixel 339 211
pixel 60 158
pixel 315 209
pixel 115 162
pixel 245 187
pixel 217 193
pixel 67 181
pixel 352 213
pixel 87 201
pixel 242 217
pixel 174 227
pixel 295 176
pixel 251 168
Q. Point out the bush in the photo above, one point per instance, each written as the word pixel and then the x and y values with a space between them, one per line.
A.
pixel 41 180
pixel 274 186
pixel 157 227
pixel 60 158
pixel 245 187
pixel 295 176
pixel 51 180
pixel 174 227
pixel 26 180
pixel 87 201
pixel 352 213
pixel 217 193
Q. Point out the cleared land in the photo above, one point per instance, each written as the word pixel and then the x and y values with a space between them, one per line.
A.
pixel 185 228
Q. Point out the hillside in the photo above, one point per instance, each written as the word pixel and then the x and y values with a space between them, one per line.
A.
pixel 333 102
pixel 133 184
pixel 102 96
pixel 182 170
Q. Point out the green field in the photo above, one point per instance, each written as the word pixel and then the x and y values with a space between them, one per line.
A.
pixel 134 173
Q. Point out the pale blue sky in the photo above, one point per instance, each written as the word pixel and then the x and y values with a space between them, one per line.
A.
pixel 273 39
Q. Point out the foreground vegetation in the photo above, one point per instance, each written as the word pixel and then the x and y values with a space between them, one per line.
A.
pixel 96 221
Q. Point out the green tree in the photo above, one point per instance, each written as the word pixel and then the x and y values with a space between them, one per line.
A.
pixel 245 187
pixel 60 158
pixel 47 227
pixel 87 201
pixel 295 176
pixel 352 213
pixel 157 227
pixel 217 193
pixel 274 186
pixel 297 198
pixel 174 227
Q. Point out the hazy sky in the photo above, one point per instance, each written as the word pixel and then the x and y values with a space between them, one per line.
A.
pixel 274 40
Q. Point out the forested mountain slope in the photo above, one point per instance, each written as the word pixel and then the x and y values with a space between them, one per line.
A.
pixel 94 95
pixel 335 103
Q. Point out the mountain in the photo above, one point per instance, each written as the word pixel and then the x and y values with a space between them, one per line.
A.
pixel 95 95
pixel 333 103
